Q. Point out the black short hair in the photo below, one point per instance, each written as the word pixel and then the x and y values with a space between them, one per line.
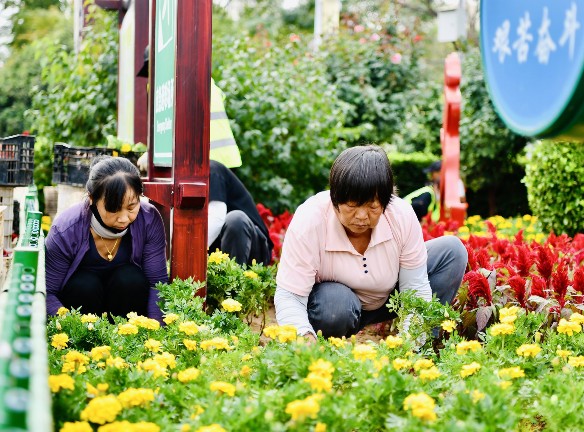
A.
pixel 360 175
pixel 111 178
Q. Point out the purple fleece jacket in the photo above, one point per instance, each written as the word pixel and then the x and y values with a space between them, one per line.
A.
pixel 68 241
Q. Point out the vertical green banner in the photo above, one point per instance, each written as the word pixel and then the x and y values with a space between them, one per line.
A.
pixel 165 46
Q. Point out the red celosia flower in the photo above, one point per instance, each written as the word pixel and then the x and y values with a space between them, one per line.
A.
pixel 484 259
pixel 538 286
pixel 519 238
pixel 545 262
pixel 523 260
pixel 478 288
pixel 578 281
pixel 472 258
pixel 560 284
pixel 517 284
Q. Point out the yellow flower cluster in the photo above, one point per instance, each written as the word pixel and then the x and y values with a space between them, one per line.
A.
pixel 320 377
pixel 528 350
pixel 190 344
pixel 127 329
pixel 74 361
pixel 62 311
pixel 508 315
pixel 62 381
pixel 126 426
pixel 142 321
pixel 393 341
pixel 89 318
pixel 569 327
pixel 60 341
pixel 477 396
pixel 465 346
pixel 170 318
pixel 469 369
pixel 577 318
pixel 217 257
pixel 303 408
pixel 223 387
pixel 423 364
pixel 429 374
pixel 133 397
pixel 511 373
pixel 116 362
pixel 101 410
pixel 100 352
pixel 364 352
pixel 337 342
pixel 96 391
pixel 576 361
pixel 502 329
pixel 211 428
pixel 421 405
pixel 217 343
pixel 231 305
pixel 188 375
pixel 563 353
pixel 448 326
pixel 285 333
pixel 189 328
pixel 250 274
pixel 400 363
pixel 153 345
pixel 76 427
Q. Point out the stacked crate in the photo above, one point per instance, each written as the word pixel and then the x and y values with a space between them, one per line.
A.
pixel 7 200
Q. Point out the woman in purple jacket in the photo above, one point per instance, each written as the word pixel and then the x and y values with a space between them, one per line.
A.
pixel 107 253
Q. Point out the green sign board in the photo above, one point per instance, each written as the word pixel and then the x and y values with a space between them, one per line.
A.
pixel 164 73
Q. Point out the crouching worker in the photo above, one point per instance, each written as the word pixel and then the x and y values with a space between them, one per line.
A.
pixel 235 225
pixel 347 249
pixel 107 253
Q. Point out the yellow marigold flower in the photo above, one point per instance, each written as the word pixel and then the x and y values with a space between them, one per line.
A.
pixel 568 327
pixel 511 373
pixel 245 371
pixel 528 350
pixel 319 382
pixel 231 305
pixel 504 384
pixel 508 315
pixel 89 318
pixel 62 381
pixel 144 322
pixel 320 427
pixel 126 426
pixel 337 342
pixel 170 318
pixel 165 359
pixel 563 353
pixel 466 346
pixel 100 352
pixel 322 367
pixel 190 328
pixel 576 361
pixel 185 428
pixel 421 405
pixel 393 341
pixel 477 395
pixel 217 257
pixel 153 366
pixel 448 326
pixel 218 343
pixel 423 364
pixel 134 397
pixel 127 329
pixel 400 363
pixel 70 367
pixel 283 334
pixel 103 409
pixel 116 362
pixel 211 428
pixel 62 311
pixel 429 374
pixel 76 427
pixel 60 341
pixel 76 357
pixel 197 411
pixel 246 357
pixel 96 391
pixel 189 344
pixel 223 387
pixel 188 375
pixel 153 345
pixel 469 369
pixel 250 274
pixel 303 408
pixel 364 352
pixel 577 318
pixel 502 329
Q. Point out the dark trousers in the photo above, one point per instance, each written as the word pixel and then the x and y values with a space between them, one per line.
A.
pixel 123 290
pixel 242 240
pixel 336 310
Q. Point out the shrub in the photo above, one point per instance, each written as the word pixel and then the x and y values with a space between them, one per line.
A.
pixel 408 170
pixel 555 186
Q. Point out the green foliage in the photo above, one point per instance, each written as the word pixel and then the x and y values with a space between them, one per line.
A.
pixel 489 150
pixel 252 287
pixel 555 186
pixel 285 117
pixel 43 166
pixel 408 170
pixel 76 102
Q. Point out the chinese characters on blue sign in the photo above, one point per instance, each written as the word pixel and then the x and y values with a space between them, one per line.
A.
pixel 533 55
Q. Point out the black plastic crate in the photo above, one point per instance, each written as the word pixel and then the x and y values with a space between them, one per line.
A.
pixel 71 164
pixel 17 160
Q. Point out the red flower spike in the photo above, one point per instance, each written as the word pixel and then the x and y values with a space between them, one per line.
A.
pixel 560 284
pixel 519 238
pixel 484 259
pixel 545 262
pixel 472 257
pixel 517 284
pixel 538 286
pixel 478 288
pixel 578 280
pixel 523 261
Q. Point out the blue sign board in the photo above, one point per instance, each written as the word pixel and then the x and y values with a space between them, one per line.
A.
pixel 533 57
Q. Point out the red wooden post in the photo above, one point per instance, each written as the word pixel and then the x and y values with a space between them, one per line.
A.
pixel 450 206
pixel 184 187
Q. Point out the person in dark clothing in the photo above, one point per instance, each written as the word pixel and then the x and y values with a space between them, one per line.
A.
pixel 235 225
